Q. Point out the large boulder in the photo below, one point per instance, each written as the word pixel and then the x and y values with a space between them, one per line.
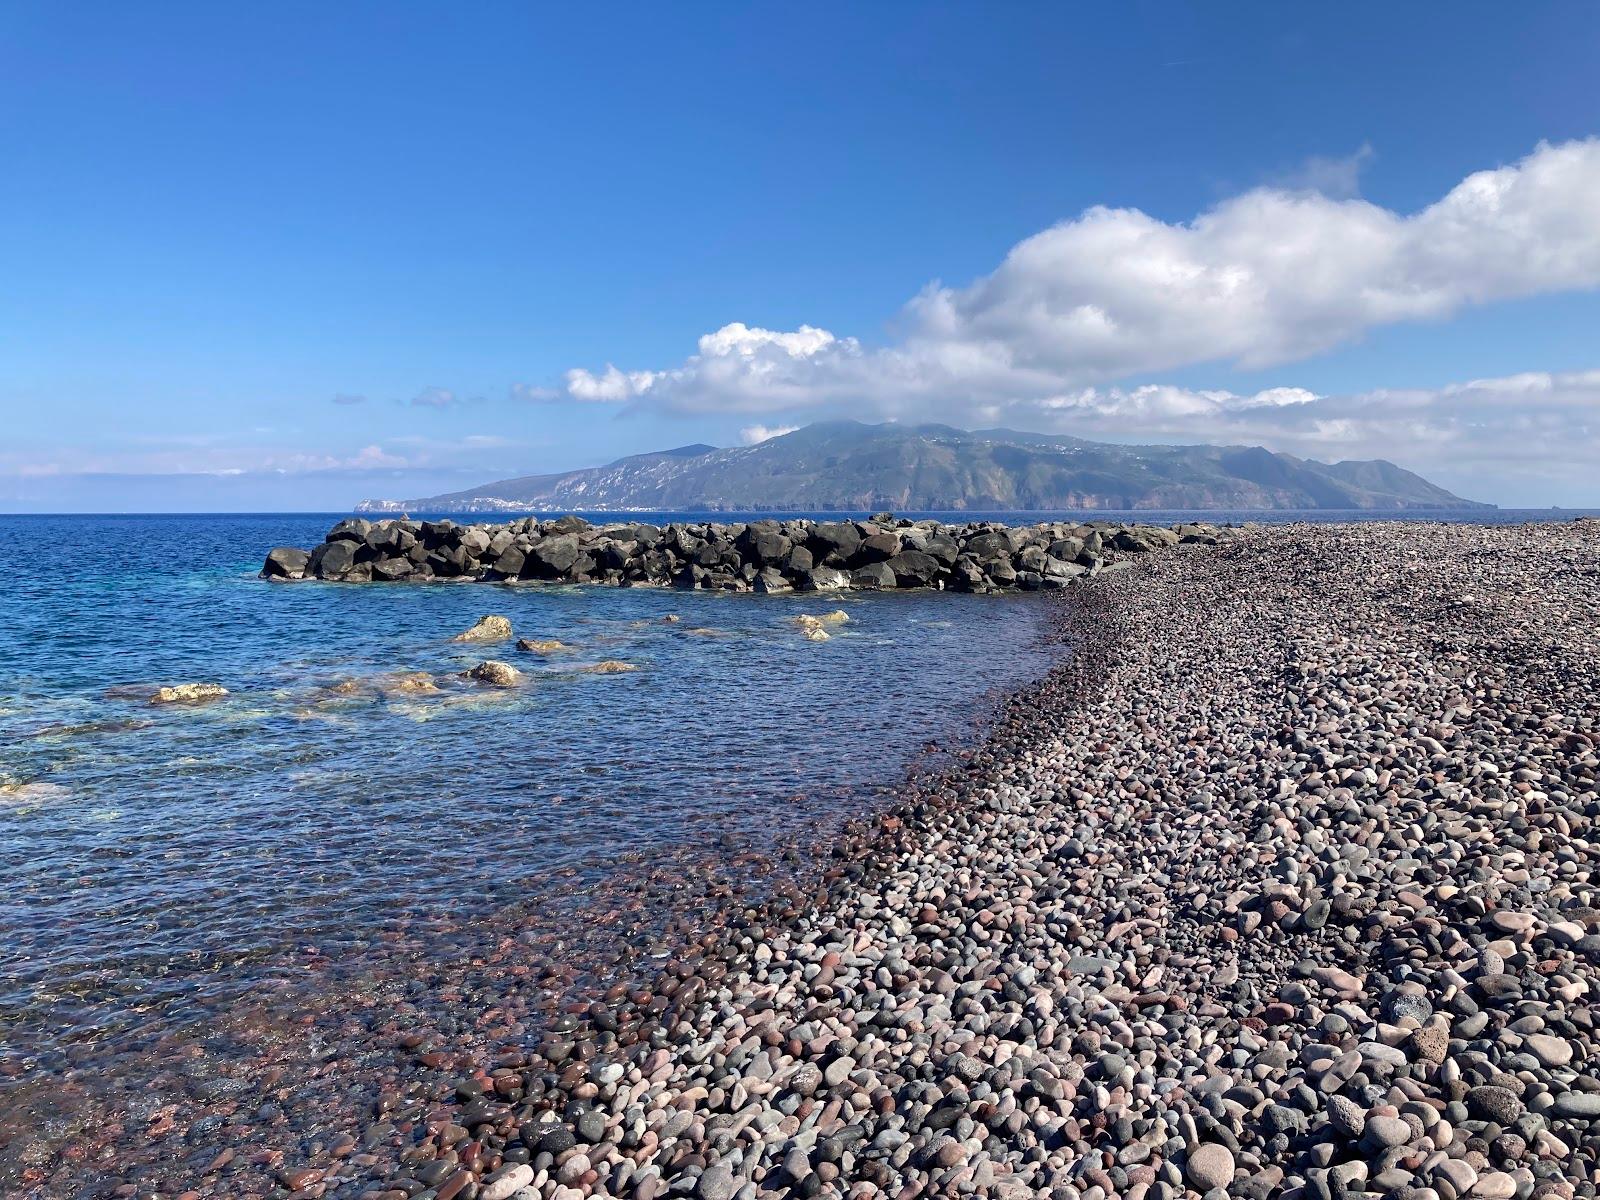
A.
pixel 449 562
pixel 510 562
pixel 353 529
pixel 799 560
pixel 614 555
pixel 967 575
pixel 440 533
pixel 1067 548
pixel 834 543
pixel 989 547
pixel 645 535
pixel 913 568
pixel 553 556
pixel 1055 568
pixel 824 579
pixel 763 544
pixel 391 570
pixel 942 546
pixel 333 560
pixel 1141 539
pixel 286 562
pixel 880 547
pixel 769 581
pixel 873 576
pixel 1031 558
pixel 475 541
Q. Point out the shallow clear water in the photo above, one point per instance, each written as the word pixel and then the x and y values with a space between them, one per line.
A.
pixel 158 860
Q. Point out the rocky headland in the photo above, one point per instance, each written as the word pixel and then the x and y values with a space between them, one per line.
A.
pixel 1283 884
pixel 884 552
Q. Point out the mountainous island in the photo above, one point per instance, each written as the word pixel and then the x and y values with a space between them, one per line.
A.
pixel 850 466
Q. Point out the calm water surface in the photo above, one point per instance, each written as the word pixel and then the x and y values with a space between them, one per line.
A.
pixel 160 860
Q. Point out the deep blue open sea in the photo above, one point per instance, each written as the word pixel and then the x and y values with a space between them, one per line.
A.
pixel 161 862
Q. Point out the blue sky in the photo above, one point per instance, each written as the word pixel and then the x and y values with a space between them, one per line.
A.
pixel 215 220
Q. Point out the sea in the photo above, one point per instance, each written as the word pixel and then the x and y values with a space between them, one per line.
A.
pixel 163 864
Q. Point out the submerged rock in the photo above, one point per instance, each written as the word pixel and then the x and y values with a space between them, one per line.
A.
pixel 542 645
pixel 407 683
pixel 811 628
pixel 188 693
pixel 609 666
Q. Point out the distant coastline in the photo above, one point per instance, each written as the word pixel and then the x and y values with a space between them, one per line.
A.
pixel 844 466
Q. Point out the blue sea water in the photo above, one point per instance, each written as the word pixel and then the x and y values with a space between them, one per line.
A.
pixel 159 861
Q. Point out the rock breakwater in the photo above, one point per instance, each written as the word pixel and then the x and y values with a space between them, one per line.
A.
pixel 884 552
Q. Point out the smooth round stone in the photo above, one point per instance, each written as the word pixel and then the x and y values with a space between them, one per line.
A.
pixel 506 1182
pixel 1548 1049
pixel 591 1125
pixel 1387 1132
pixel 1583 1106
pixel 1454 1177
pixel 717 1183
pixel 1210 1166
pixel 1496 1185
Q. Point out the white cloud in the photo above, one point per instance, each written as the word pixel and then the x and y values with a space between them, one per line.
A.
pixel 434 397
pixel 1270 276
pixel 1532 438
pixel 610 386
pixel 750 435
pixel 347 398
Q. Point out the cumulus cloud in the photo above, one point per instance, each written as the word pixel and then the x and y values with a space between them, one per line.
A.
pixel 1270 276
pixel 609 386
pixel 750 435
pixel 1533 437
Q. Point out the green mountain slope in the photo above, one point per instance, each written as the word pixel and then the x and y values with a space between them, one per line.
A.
pixel 846 465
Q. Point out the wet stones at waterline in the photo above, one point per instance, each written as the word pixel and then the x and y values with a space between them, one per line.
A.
pixel 768 556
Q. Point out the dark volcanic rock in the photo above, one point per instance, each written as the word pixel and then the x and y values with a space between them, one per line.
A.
pixel 286 563
pixel 767 556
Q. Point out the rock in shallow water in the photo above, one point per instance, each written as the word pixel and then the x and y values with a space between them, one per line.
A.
pixel 188 693
pixel 495 673
pixel 486 629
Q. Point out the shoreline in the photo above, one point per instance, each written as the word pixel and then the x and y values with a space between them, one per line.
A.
pixel 272 1046
pixel 1068 968
pixel 1317 1048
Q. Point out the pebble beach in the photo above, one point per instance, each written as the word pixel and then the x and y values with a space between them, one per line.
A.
pixel 1280 885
